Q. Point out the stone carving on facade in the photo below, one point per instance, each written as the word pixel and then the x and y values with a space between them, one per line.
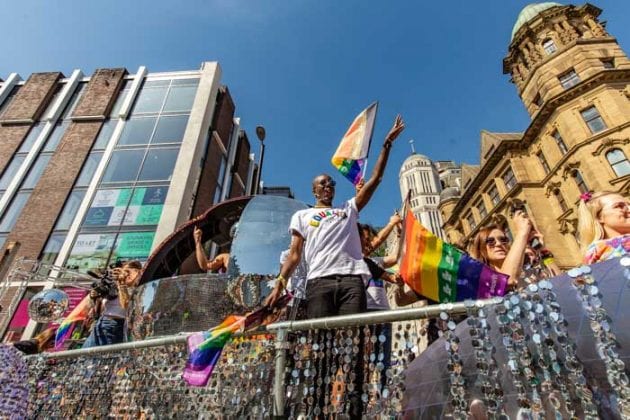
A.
pixel 567 224
pixel 568 34
pixel 551 188
pixel 609 142
pixel 569 168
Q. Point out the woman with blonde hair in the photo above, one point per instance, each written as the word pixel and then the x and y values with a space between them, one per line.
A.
pixel 603 226
pixel 492 246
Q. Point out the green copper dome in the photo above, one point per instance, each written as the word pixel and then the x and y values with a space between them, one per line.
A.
pixel 529 12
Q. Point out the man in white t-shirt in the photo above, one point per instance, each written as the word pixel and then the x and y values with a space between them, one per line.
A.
pixel 328 239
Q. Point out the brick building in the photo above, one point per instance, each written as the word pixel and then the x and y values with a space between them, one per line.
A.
pixel 574 80
pixel 100 168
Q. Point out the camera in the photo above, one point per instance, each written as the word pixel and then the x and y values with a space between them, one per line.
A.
pixel 105 286
pixel 517 205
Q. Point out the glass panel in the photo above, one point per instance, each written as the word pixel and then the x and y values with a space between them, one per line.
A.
pixel 10 172
pixel 170 129
pixel 55 136
pixel 108 207
pixel 12 213
pixel 51 250
pixel 158 165
pixel 36 171
pixel 90 251
pixel 590 113
pixel 70 210
pixel 185 82
pixel 123 166
pixel 622 168
pixel 615 156
pixel 4 105
pixel 137 131
pixel 104 135
pixel 151 97
pixel 74 101
pixel 89 167
pixel 30 138
pixel 597 125
pixel 3 239
pixel 146 206
pixel 120 99
pixel 262 235
pixel 133 246
pixel 180 98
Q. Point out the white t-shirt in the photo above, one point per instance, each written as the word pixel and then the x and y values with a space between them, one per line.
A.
pixel 331 240
pixel 375 290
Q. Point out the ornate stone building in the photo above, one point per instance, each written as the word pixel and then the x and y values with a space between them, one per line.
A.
pixel 419 176
pixel 573 78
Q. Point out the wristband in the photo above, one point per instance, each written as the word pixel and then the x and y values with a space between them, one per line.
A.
pixel 282 281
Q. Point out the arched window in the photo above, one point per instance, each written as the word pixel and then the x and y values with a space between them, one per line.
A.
pixel 549 46
pixel 581 184
pixel 618 161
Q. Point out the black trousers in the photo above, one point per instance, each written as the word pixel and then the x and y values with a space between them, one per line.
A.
pixel 340 295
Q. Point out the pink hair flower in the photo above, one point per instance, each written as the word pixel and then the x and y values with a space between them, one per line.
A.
pixel 586 197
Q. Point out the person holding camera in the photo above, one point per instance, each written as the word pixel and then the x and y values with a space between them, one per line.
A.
pixel 110 297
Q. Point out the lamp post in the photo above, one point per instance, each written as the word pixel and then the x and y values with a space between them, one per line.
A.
pixel 260 133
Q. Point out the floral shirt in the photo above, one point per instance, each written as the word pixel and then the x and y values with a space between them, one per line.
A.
pixel 606 249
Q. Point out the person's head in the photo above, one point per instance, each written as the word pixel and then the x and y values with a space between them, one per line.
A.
pixel 490 245
pixel 602 215
pixel 366 233
pixel 324 189
pixel 132 271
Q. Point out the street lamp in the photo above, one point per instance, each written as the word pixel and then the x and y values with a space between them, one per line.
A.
pixel 260 133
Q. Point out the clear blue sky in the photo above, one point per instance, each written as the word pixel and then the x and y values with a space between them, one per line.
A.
pixel 305 68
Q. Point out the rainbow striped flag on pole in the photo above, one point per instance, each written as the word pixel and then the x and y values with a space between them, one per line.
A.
pixel 443 273
pixel 352 153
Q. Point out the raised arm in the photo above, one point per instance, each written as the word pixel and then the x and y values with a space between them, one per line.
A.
pixel 382 235
pixel 292 261
pixel 513 263
pixel 364 194
pixel 200 253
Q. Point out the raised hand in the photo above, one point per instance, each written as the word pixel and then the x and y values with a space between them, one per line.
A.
pixel 394 132
pixel 197 235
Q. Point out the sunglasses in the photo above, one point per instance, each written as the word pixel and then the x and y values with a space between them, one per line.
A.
pixel 327 183
pixel 493 241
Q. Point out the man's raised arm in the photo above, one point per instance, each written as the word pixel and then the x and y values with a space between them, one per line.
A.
pixel 364 194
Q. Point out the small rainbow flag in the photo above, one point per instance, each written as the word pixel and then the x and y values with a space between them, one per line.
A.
pixel 204 348
pixel 350 157
pixel 443 273
pixel 79 313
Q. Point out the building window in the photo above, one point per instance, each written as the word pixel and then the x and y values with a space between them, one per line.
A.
pixel 471 221
pixel 494 195
pixel 560 142
pixel 593 119
pixel 509 179
pixel 608 63
pixel 581 184
pixel 561 201
pixel 481 207
pixel 549 46
pixel 543 162
pixel 569 79
pixel 4 105
pixel 619 162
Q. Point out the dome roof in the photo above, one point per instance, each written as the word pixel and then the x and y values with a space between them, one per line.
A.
pixel 415 157
pixel 450 192
pixel 529 12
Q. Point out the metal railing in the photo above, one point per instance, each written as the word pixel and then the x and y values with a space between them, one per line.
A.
pixel 57 368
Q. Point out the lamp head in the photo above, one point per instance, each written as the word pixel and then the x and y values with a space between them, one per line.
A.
pixel 260 132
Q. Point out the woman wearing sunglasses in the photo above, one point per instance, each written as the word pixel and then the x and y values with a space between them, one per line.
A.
pixel 492 247
pixel 603 226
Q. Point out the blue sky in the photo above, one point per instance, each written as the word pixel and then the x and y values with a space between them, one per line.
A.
pixel 304 69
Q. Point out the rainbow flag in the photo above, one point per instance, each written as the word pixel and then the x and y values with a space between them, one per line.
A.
pixel 79 313
pixel 443 273
pixel 351 155
pixel 204 348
